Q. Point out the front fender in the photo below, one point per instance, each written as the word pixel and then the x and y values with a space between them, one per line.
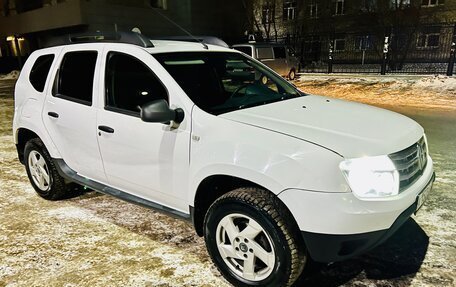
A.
pixel 269 159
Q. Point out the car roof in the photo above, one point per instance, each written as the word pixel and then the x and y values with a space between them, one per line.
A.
pixel 167 46
pixel 160 46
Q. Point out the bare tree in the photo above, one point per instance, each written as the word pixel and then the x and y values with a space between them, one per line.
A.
pixel 399 20
pixel 250 13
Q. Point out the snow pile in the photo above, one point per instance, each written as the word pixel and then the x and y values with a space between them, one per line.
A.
pixel 13 75
pixel 429 92
pixel 440 83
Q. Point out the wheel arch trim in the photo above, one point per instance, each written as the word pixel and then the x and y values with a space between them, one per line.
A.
pixel 31 129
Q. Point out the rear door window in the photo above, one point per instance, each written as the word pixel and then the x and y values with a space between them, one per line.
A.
pixel 265 53
pixel 40 72
pixel 75 77
pixel 280 53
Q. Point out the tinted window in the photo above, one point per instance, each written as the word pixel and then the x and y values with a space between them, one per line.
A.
pixel 280 53
pixel 246 50
pixel 265 53
pixel 40 71
pixel 130 84
pixel 220 82
pixel 76 73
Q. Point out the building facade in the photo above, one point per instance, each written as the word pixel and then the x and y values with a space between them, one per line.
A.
pixel 26 25
pixel 355 31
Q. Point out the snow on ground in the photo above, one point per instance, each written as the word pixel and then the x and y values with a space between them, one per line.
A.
pixel 422 92
pixel 97 240
pixel 13 75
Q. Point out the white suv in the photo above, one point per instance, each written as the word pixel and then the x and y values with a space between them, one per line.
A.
pixel 269 176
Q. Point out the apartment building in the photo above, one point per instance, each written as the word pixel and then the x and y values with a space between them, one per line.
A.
pixel 354 31
pixel 26 25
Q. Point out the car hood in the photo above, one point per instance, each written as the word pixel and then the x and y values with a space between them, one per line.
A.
pixel 347 128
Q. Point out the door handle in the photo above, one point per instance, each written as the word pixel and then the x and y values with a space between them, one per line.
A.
pixel 53 115
pixel 106 129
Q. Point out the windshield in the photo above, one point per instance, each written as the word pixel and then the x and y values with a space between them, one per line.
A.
pixel 221 82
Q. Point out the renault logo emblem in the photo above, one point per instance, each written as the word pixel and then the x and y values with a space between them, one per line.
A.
pixel 420 156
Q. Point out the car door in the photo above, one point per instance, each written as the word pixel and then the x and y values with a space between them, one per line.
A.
pixel 280 60
pixel 69 113
pixel 149 160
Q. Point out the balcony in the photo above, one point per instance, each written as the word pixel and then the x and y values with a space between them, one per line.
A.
pixel 45 15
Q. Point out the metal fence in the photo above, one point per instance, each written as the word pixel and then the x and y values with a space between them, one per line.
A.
pixel 425 50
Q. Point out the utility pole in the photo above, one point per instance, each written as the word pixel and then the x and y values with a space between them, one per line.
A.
pixel 452 54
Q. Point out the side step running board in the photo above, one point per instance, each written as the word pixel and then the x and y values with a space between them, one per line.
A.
pixel 66 172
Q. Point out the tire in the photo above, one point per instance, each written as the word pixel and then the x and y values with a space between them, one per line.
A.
pixel 264 80
pixel 258 238
pixel 42 173
pixel 292 74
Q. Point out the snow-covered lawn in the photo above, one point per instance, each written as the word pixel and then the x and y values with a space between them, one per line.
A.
pixel 10 76
pixel 423 92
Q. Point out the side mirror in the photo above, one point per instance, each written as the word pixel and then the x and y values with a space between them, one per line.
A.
pixel 158 111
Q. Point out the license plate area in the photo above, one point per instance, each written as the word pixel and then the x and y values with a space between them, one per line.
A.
pixel 421 198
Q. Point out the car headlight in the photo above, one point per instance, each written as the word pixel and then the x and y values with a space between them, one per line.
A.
pixel 371 177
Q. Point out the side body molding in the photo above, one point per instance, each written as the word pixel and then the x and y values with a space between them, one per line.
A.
pixel 66 172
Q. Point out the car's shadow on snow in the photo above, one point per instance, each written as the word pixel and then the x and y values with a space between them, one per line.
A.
pixel 400 257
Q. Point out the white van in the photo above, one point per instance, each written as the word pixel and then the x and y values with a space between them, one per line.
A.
pixel 278 57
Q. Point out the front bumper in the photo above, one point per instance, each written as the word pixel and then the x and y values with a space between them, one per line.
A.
pixel 330 248
pixel 337 226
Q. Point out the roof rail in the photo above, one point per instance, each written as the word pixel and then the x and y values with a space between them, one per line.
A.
pixel 94 37
pixel 120 37
pixel 211 40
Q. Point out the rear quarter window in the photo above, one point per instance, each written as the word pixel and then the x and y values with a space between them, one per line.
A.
pixel 40 71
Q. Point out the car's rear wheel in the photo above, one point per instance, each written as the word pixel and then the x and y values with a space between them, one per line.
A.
pixel 253 240
pixel 42 173
pixel 292 74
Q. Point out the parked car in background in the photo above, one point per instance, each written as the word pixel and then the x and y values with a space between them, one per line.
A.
pixel 278 57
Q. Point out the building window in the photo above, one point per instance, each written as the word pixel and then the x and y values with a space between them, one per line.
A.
pixel 268 13
pixel 313 10
pixel 28 5
pixel 339 44
pixel 363 43
pixel 429 39
pixel 369 6
pixel 340 7
pixel 430 3
pixel 399 4
pixel 289 10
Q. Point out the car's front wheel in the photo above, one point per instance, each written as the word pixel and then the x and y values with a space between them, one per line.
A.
pixel 253 240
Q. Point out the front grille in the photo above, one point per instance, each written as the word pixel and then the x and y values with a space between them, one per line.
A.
pixel 410 163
